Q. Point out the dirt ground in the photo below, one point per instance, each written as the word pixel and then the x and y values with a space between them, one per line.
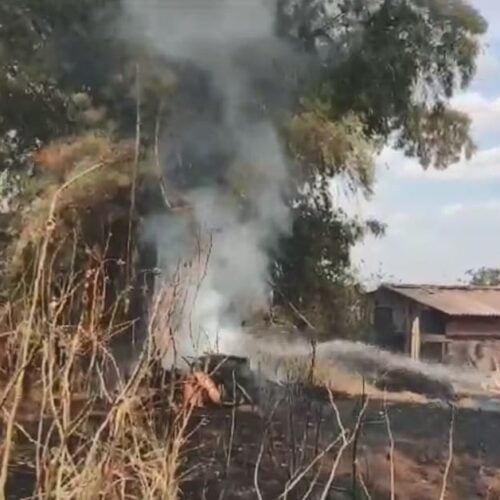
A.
pixel 292 439
pixel 287 439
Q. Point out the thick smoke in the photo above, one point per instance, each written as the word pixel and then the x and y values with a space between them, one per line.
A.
pixel 223 152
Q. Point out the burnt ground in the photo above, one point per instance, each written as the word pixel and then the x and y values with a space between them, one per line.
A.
pixel 295 427
pixel 290 430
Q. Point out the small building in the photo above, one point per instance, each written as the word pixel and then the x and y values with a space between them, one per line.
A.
pixel 457 325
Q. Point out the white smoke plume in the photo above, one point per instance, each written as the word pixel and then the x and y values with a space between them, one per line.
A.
pixel 229 46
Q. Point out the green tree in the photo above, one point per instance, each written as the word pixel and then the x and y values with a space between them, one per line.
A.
pixel 382 72
pixel 312 271
pixel 63 69
pixel 484 276
pixel 394 63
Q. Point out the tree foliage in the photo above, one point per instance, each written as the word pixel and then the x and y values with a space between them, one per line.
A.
pixel 382 71
pixel 395 63
pixel 484 276
pixel 312 271
pixel 326 148
pixel 374 72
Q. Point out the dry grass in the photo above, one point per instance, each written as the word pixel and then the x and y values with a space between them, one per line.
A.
pixel 62 156
pixel 104 443
pixel 298 369
pixel 104 190
pixel 86 438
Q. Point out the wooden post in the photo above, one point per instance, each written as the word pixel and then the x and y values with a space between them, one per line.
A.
pixel 313 361
pixel 415 338
pixel 407 328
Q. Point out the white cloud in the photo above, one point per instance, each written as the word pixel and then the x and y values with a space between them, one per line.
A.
pixel 488 65
pixel 455 209
pixel 489 10
pixel 484 165
pixel 430 240
pixel 432 248
pixel 485 113
pixel 393 158
pixel 398 223
pixel 452 209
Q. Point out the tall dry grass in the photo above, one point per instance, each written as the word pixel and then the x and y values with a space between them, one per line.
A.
pixel 69 412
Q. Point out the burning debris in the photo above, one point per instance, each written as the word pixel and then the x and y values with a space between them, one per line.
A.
pixel 199 389
pixel 219 380
pixel 232 375
pixel 211 380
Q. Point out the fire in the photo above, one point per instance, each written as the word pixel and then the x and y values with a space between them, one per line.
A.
pixel 199 389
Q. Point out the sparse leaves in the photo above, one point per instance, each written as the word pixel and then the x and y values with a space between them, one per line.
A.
pixel 438 137
pixel 327 148
pixel 386 59
pixel 485 276
pixel 313 269
pixel 384 70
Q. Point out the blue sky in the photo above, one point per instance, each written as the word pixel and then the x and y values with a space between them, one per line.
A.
pixel 440 224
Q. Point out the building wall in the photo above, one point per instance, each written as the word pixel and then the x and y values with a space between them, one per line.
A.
pixel 399 306
pixel 411 323
pixel 392 331
pixel 427 334
pixel 481 354
pixel 474 342
pixel 473 327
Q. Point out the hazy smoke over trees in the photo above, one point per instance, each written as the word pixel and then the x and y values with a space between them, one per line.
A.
pixel 336 80
pixel 221 147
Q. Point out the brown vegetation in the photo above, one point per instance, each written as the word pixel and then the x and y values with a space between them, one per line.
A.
pixel 97 434
pixel 79 422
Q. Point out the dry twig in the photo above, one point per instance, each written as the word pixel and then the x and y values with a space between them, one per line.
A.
pixel 341 451
pixel 391 449
pixel 27 329
pixel 449 462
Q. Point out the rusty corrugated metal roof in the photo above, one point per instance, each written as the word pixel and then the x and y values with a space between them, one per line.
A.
pixel 453 300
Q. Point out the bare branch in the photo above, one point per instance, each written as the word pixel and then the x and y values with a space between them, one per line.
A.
pixel 157 157
pixel 133 188
pixel 355 450
pixel 26 349
pixel 257 466
pixel 337 415
pixel 341 451
pixel 261 451
pixel 449 462
pixel 391 442
pixel 233 422
pixel 299 476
